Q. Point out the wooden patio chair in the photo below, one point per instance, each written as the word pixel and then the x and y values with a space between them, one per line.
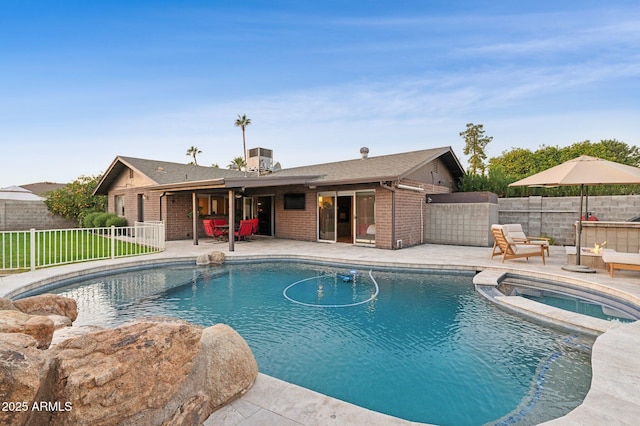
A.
pixel 508 248
pixel 517 234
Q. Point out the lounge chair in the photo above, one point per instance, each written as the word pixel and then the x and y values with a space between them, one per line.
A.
pixel 518 235
pixel 508 248
pixel 615 260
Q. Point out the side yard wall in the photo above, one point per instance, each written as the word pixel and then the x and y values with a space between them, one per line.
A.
pixel 556 216
pixel 461 218
pixel 18 215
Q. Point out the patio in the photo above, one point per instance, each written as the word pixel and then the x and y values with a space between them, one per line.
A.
pixel 615 392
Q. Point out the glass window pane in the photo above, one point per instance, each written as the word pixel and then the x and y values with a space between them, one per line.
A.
pixel 366 217
pixel 326 217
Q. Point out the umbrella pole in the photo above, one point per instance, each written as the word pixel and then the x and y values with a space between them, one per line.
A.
pixel 579 238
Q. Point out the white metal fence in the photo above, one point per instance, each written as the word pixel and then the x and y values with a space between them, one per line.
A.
pixel 29 250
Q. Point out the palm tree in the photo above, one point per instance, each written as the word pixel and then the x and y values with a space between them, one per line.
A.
pixel 237 163
pixel 193 152
pixel 243 122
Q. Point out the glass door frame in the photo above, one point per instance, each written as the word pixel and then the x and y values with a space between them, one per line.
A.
pixel 321 217
pixel 354 215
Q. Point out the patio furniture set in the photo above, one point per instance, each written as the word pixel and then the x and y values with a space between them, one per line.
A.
pixel 510 242
pixel 219 229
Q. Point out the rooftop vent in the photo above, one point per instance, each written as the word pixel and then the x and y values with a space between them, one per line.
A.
pixel 364 152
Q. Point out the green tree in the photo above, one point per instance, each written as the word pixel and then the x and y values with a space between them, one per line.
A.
pixel 474 147
pixel 243 122
pixel 519 163
pixel 237 163
pixel 193 152
pixel 76 199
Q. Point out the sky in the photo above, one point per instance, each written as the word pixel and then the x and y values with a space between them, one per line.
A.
pixel 82 82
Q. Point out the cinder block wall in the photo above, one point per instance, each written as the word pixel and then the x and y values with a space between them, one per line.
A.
pixel 461 219
pixel 16 215
pixel 556 216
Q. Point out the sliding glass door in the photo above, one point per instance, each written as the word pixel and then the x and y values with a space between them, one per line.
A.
pixel 327 216
pixel 347 217
pixel 365 213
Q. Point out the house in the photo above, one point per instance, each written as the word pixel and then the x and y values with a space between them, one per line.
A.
pixel 377 201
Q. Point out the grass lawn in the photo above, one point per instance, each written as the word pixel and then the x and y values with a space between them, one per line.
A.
pixel 62 246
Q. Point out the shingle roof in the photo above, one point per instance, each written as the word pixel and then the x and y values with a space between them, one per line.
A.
pixel 382 167
pixel 164 172
pixel 39 188
pixel 169 176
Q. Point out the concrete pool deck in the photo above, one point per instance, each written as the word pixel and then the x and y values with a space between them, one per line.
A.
pixel 614 396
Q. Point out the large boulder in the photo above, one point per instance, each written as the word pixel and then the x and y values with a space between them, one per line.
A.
pixel 48 304
pixel 224 370
pixel 231 368
pixel 111 376
pixel 39 327
pixel 155 371
pixel 22 371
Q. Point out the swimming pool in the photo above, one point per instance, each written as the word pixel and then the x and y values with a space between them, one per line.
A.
pixel 425 348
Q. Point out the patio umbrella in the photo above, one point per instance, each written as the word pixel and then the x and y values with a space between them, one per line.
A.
pixel 583 171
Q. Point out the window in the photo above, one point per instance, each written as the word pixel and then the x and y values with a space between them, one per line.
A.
pixel 119 204
pixel 294 202
pixel 203 205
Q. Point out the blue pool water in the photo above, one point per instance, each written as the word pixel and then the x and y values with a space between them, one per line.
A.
pixel 575 304
pixel 415 345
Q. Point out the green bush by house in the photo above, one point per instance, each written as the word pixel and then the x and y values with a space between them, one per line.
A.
pixel 101 220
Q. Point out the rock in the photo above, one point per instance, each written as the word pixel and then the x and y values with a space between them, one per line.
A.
pixel 155 371
pixel 7 305
pixel 39 327
pixel 66 333
pixel 112 376
pixel 60 321
pixel 22 370
pixel 231 368
pixel 213 258
pixel 217 258
pixel 45 304
pixel 223 370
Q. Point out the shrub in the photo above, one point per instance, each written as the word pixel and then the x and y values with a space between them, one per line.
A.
pixel 116 221
pixel 100 221
pixel 87 221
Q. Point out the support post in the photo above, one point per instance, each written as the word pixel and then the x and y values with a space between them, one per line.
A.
pixel 579 239
pixel 232 215
pixel 33 248
pixel 195 212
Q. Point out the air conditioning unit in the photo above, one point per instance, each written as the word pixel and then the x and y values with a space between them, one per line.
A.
pixel 260 159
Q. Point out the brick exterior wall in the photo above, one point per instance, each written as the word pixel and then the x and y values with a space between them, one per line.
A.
pixel 297 224
pixel 409 218
pixel 19 215
pixel 384 217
